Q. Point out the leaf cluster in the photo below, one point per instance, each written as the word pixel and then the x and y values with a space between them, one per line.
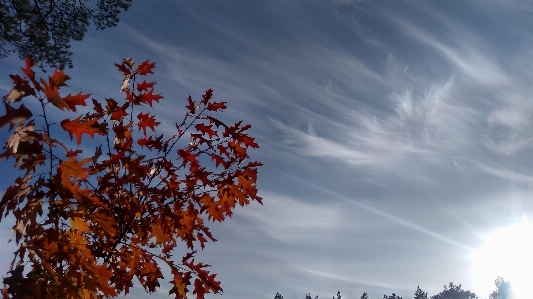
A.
pixel 92 218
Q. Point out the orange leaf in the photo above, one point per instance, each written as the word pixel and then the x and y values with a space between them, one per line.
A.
pixel 58 79
pixel 107 223
pixel 78 128
pixel 159 234
pixel 52 94
pixel 27 70
pixel 72 167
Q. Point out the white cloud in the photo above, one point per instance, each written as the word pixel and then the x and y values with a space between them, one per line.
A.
pixel 292 221
pixel 419 127
pixel 504 173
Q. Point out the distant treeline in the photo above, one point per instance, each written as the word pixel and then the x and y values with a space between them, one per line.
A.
pixel 451 291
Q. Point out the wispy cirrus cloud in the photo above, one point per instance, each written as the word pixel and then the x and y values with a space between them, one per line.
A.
pixel 424 118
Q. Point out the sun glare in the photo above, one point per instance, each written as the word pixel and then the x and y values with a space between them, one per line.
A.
pixel 508 253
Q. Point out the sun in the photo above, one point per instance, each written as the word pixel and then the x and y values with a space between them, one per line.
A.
pixel 508 253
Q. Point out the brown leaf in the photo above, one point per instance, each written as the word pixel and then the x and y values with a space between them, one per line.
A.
pixel 19 229
pixel 21 89
pixel 21 134
pixel 14 116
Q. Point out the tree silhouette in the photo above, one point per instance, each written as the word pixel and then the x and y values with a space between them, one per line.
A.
pixel 43 29
pixel 278 296
pixel 393 296
pixel 338 295
pixel 419 294
pixel 364 296
pixel 503 289
pixel 454 292
pixel 308 296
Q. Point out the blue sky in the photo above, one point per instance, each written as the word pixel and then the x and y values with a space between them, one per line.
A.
pixel 396 135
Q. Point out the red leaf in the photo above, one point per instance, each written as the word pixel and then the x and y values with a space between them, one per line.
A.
pixel 116 112
pixel 215 106
pixel 222 150
pixel 72 153
pixel 145 141
pixel 75 100
pixel 219 160
pixel 146 68
pixel 27 70
pixel 207 96
pixel 78 128
pixel 148 97
pixel 187 156
pixel 131 97
pixel 119 114
pixel 97 107
pixel 145 85
pixel 199 289
pixel 245 127
pixel 215 121
pixel 202 240
pixel 123 69
pixel 249 141
pixel 206 130
pixel 58 79
pixel 146 120
pixel 191 106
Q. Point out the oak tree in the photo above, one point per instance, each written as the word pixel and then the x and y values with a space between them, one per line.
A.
pixel 112 205
pixel 43 29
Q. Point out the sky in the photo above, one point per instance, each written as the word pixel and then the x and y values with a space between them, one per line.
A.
pixel 396 136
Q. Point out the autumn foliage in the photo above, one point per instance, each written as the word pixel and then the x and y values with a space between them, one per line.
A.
pixel 112 203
